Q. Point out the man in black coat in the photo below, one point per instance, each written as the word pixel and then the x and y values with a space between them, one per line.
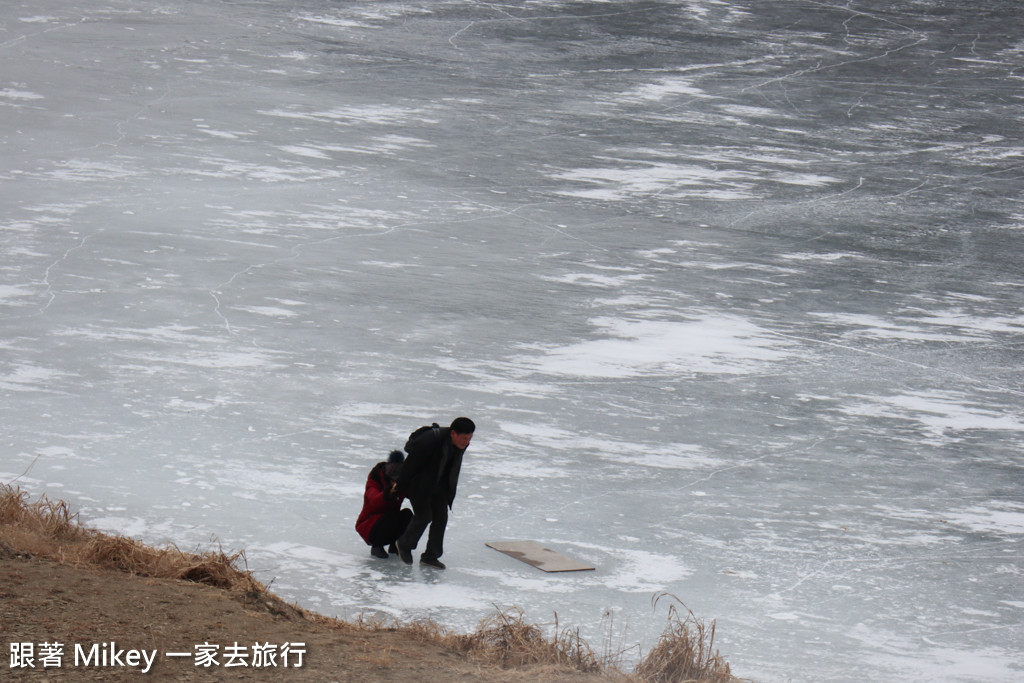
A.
pixel 429 478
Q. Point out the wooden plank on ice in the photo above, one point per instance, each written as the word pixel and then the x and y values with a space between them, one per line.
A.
pixel 535 554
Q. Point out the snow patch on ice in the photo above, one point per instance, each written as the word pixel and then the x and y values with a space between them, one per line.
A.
pixel 324 567
pixel 662 88
pixel 221 359
pixel 56 452
pixel 632 179
pixel 827 257
pixel 299 551
pixel 944 660
pixel 634 453
pixel 522 577
pixel 747 110
pixel 254 483
pixel 332 21
pixel 301 151
pixel 12 94
pixel 950 326
pixel 784 616
pixel 28 377
pixel 271 311
pixel 595 280
pixel 81 170
pixel 381 114
pixel 943 416
pixel 426 596
pixel 635 571
pixel 8 292
pixel 632 348
pixel 997 517
pixel 190 406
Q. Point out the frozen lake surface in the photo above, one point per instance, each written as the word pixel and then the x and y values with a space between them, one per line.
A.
pixel 733 290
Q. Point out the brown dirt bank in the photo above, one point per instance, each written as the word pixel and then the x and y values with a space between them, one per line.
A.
pixel 43 601
pixel 61 583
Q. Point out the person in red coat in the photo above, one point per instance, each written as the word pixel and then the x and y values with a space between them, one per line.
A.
pixel 382 519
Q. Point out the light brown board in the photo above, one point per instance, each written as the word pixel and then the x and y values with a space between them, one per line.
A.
pixel 535 554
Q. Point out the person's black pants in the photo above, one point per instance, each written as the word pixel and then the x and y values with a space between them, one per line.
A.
pixel 429 511
pixel 390 527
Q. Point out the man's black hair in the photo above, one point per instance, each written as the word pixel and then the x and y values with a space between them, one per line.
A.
pixel 463 425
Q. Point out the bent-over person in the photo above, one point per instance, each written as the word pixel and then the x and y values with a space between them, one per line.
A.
pixel 429 479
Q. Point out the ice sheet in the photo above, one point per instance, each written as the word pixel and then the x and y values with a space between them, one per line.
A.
pixel 732 289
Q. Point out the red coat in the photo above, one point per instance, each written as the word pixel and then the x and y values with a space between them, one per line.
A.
pixel 377 501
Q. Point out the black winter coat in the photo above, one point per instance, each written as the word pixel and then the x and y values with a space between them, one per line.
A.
pixel 422 477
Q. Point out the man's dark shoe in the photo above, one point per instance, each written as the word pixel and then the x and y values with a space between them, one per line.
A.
pixel 378 551
pixel 403 553
pixel 433 562
pixel 392 549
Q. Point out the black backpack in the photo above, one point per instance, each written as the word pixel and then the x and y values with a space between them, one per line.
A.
pixel 436 428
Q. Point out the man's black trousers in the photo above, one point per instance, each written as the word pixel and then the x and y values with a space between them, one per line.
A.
pixel 427 511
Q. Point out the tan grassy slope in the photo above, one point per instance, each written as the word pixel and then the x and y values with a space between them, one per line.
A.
pixel 63 583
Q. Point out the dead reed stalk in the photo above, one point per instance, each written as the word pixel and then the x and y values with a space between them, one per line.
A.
pixel 685 651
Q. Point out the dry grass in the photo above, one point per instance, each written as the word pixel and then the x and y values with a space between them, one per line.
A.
pixel 506 639
pixel 685 651
pixel 683 654
pixel 47 528
pixel 382 659
pixel 46 520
